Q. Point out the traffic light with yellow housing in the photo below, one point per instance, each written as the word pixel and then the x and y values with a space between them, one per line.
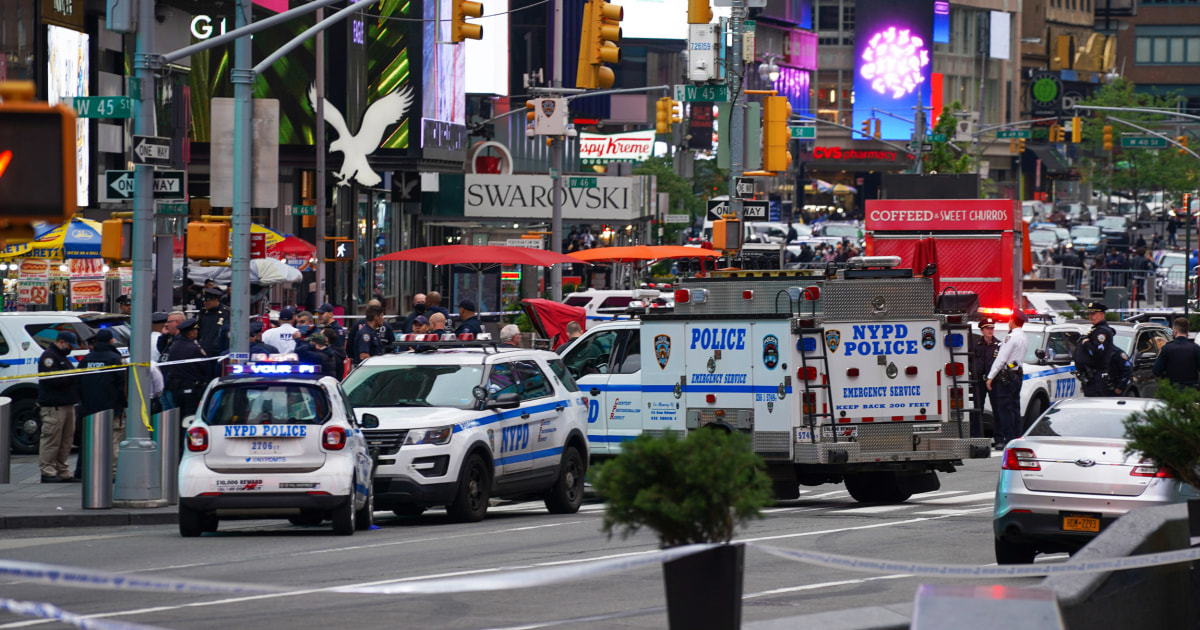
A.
pixel 676 111
pixel 37 161
pixel 699 12
pixel 1020 145
pixel 775 133
pixel 662 115
pixel 208 240
pixel 1108 138
pixel 116 239
pixel 866 127
pixel 460 28
pixel 1182 140
pixel 1055 130
pixel 878 124
pixel 598 45
pixel 1077 130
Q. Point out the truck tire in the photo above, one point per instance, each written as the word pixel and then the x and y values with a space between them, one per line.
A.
pixel 876 487
pixel 1014 553
pixel 474 490
pixel 26 426
pixel 566 495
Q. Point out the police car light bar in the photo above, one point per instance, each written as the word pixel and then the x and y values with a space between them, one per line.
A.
pixel 272 368
pixel 863 262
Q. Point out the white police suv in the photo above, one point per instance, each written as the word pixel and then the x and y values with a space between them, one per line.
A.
pixel 275 439
pixel 462 422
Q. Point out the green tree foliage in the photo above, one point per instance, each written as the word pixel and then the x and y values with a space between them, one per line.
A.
pixel 682 199
pixel 945 158
pixel 693 490
pixel 1134 172
pixel 1170 435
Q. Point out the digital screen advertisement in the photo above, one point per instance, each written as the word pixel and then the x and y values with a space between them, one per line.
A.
pixel 893 59
pixel 659 19
pixel 488 58
pixel 67 75
pixel 443 68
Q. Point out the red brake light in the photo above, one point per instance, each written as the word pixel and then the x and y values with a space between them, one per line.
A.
pixel 1146 467
pixel 1020 459
pixel 851 372
pixel 334 438
pixel 954 369
pixel 197 439
pixel 809 404
pixel 682 296
pixel 911 370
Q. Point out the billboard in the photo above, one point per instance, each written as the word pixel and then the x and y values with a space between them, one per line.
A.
pixel 487 70
pixel 443 68
pixel 67 75
pixel 893 50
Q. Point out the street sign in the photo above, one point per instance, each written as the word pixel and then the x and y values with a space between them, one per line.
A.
pixel 702 93
pixel 581 182
pixel 936 137
pixel 300 211
pixel 172 209
pixel 925 148
pixel 1013 134
pixel 118 185
pixel 169 185
pixel 531 243
pixel 101 106
pixel 743 187
pixel 152 150
pixel 1143 142
pixel 804 133
pixel 717 210
pixel 677 218
pixel 756 211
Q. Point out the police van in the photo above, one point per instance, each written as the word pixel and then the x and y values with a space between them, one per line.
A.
pixel 461 422
pixel 275 439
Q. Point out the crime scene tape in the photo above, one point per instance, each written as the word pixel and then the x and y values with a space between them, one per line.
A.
pixel 871 565
pixel 107 368
pixel 50 611
pixel 91 578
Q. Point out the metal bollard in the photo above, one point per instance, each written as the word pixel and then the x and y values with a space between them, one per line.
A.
pixel 5 438
pixel 98 461
pixel 166 432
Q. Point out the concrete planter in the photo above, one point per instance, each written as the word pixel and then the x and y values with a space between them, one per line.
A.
pixel 704 590
pixel 1194 517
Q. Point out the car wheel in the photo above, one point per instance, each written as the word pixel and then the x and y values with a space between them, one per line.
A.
pixel 566 495
pixel 26 426
pixel 307 519
pixel 1036 407
pixel 474 489
pixel 1014 553
pixel 366 516
pixel 876 487
pixel 408 510
pixel 209 522
pixel 190 524
pixel 343 518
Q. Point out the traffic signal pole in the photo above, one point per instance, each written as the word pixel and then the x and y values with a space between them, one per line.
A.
pixel 737 109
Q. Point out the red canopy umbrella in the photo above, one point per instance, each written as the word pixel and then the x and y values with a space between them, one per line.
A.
pixel 550 318
pixel 292 247
pixel 637 253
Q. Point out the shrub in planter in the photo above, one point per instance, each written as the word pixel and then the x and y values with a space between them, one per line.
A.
pixel 693 490
pixel 1170 435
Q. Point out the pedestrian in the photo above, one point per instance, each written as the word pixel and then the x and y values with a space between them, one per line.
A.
pixel 304 318
pixel 469 321
pixel 283 336
pixel 367 340
pixel 56 402
pixel 104 390
pixel 510 335
pixel 213 324
pixel 124 304
pixel 1094 355
pixel 418 310
pixel 158 321
pixel 420 325
pixel 1179 359
pixel 186 381
pixel 433 304
pixel 335 336
pixel 983 353
pixel 574 330
pixel 387 336
pixel 329 361
pixel 1172 228
pixel 310 352
pixel 1004 381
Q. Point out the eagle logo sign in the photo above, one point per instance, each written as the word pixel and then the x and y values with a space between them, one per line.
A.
pixel 355 148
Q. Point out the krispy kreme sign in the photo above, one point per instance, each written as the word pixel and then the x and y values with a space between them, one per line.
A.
pixel 635 146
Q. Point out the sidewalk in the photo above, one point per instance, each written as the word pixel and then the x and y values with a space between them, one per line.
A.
pixel 28 503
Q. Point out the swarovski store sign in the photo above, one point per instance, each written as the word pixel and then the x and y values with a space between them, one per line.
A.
pixel 530 197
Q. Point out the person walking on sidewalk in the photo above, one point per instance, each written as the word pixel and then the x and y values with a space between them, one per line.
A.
pixel 56 401
pixel 104 389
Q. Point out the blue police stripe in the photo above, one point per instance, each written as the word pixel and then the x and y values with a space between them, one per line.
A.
pixel 505 415
pixel 524 457
pixel 610 438
pixel 1051 372
pixel 699 389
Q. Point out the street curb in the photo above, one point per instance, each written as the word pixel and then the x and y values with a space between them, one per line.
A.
pixel 101 518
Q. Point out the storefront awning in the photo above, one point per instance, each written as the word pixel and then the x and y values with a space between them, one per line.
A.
pixel 1051 160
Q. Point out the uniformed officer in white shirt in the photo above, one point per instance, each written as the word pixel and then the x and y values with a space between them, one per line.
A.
pixel 1004 380
pixel 283 336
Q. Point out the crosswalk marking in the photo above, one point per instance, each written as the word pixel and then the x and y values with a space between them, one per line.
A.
pixel 962 512
pixel 874 509
pixel 966 498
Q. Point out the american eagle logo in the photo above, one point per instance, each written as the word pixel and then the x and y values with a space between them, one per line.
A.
pixel 380 115
pixel 662 350
pixel 832 339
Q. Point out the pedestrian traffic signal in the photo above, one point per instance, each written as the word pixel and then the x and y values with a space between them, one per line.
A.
pixel 338 249
pixel 208 240
pixel 1077 130
pixel 460 28
pixel 116 240
pixel 1108 138
pixel 1182 140
pixel 37 161
pixel 598 44
pixel 699 12
pixel 775 133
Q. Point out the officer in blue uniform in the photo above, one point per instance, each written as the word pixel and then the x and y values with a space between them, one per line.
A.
pixel 186 381
pixel 470 321
pixel 367 339
pixel 1094 355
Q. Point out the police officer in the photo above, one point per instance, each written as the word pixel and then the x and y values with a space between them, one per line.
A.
pixel 335 335
pixel 367 339
pixel 983 353
pixel 1004 381
pixel 213 324
pixel 256 343
pixel 1179 359
pixel 470 321
pixel 124 304
pixel 1094 355
pixel 186 381
pixel 56 402
pixel 104 389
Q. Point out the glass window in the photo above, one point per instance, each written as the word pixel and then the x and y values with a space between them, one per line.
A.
pixel 1090 422
pixel 502 380
pixel 848 18
pixel 533 381
pixel 1143 50
pixel 1193 50
pixel 1176 50
pixel 1124 340
pixel 1160 49
pixel 267 403
pixel 1035 342
pixel 3 344
pixel 631 361
pixel 414 386
pixel 827 17
pixel 564 375
pixel 591 355
pixel 45 334
pixel 1060 344
pixel 616 301
pixel 578 300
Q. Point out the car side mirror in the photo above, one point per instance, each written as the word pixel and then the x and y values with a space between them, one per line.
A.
pixel 479 393
pixel 1041 356
pixel 1148 356
pixel 369 421
pixel 504 401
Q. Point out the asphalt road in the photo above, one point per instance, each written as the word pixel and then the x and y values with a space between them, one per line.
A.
pixel 952 525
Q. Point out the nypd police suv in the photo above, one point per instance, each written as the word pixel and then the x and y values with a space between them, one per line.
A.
pixel 275 439
pixel 462 422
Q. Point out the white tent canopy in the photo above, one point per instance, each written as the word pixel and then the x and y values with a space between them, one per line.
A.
pixel 268 271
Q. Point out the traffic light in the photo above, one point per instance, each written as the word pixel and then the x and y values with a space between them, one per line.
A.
pixel 1183 141
pixel 1054 129
pixel 1108 138
pixel 878 124
pixel 775 133
pixel 1012 146
pixel 1020 145
pixel 1077 130
pixel 460 28
pixel 208 240
pixel 662 115
pixel 676 112
pixel 37 161
pixel 866 127
pixel 116 239
pixel 597 44
pixel 338 249
pixel 699 12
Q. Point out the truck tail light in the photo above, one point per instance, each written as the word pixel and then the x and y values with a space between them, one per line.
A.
pixel 810 402
pixel 956 398
pixel 954 369
pixel 852 372
pixel 807 373
pixel 910 370
pixel 747 294
pixel 1020 459
pixel 683 296
pixel 710 399
pixel 197 439
pixel 1147 467
pixel 333 438
pixel 808 323
pixel 812 293
pixel 954 319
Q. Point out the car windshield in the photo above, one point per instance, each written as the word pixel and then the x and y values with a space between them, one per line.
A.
pixel 413 386
pixel 1043 237
pixel 1085 231
pixel 848 231
pixel 1085 422
pixel 1124 340
pixel 267 403
pixel 1111 222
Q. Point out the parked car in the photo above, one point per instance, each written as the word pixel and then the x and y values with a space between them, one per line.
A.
pixel 1068 477
pixel 1088 239
pixel 1062 307
pixel 1115 229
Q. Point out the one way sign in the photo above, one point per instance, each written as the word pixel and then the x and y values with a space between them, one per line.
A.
pixel 152 150
pixel 118 185
pixel 717 210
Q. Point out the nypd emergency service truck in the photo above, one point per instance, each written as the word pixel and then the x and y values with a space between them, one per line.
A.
pixel 848 377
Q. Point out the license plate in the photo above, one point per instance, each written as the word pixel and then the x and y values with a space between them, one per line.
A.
pixel 1081 523
pixel 803 435
pixel 265 446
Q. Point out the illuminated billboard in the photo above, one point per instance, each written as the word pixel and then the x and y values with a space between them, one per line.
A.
pixel 893 48
pixel 67 75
